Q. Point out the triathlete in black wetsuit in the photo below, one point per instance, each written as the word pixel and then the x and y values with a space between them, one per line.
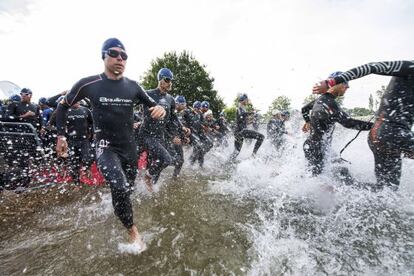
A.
pixel 241 132
pixel 391 136
pixel 152 131
pixel 325 113
pixel 276 129
pixel 223 129
pixel 79 134
pixel 176 150
pixel 112 97
pixel 200 142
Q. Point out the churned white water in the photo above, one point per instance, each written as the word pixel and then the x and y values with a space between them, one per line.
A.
pixel 317 225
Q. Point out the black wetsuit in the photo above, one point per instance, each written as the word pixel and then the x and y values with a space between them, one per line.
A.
pixel 391 135
pixel 112 111
pixel 325 113
pixel 79 133
pixel 242 132
pixel 275 132
pixel 200 142
pixel 138 119
pixel 176 151
pixel 152 133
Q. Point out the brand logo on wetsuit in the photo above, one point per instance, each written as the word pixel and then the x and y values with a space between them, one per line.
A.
pixel 112 100
pixel 76 116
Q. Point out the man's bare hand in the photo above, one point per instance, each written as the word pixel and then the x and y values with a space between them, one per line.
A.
pixel 62 147
pixel 176 141
pixel 320 88
pixel 157 112
pixel 28 114
pixel 306 127
pixel 187 131
pixel 136 125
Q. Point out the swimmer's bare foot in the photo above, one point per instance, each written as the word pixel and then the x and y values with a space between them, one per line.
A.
pixel 135 237
pixel 148 183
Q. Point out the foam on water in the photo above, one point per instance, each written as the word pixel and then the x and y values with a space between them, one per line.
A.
pixel 316 225
pixel 131 248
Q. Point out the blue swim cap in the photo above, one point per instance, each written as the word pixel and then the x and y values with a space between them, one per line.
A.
pixel 110 43
pixel 242 97
pixel 180 100
pixel 336 74
pixel 165 73
pixel 197 104
pixel 205 104
pixel 42 100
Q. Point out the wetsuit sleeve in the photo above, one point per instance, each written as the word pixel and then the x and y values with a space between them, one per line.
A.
pixel 90 122
pixel 175 126
pixel 52 101
pixel 144 98
pixel 52 120
pixel 400 68
pixel 346 120
pixel 306 111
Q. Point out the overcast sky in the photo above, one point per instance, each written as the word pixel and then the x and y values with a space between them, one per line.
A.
pixel 261 47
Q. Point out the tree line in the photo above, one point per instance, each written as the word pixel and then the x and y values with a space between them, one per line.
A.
pixel 192 81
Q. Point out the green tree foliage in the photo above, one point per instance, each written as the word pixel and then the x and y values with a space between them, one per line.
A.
pixel 230 113
pixel 360 111
pixel 190 79
pixel 280 103
pixel 310 98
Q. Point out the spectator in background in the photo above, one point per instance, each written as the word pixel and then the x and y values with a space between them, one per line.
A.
pixel 25 111
pixel 45 111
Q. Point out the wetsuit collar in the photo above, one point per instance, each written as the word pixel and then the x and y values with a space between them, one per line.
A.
pixel 105 77
pixel 162 93
pixel 331 95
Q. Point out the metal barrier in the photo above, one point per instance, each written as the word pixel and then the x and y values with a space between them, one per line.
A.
pixel 19 138
pixel 20 149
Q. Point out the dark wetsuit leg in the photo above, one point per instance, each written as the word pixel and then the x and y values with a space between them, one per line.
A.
pixel 388 142
pixel 80 156
pixel 206 146
pixel 315 154
pixel 249 134
pixel 160 156
pixel 199 148
pixel 120 174
pixel 74 160
pixel 177 155
pixel 387 166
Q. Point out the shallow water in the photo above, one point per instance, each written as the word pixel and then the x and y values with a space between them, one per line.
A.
pixel 262 216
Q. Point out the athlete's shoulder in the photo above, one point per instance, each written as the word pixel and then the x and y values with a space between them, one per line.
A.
pixel 171 98
pixel 131 82
pixel 89 80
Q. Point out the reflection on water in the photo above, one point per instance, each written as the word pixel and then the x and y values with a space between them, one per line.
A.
pixel 262 216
